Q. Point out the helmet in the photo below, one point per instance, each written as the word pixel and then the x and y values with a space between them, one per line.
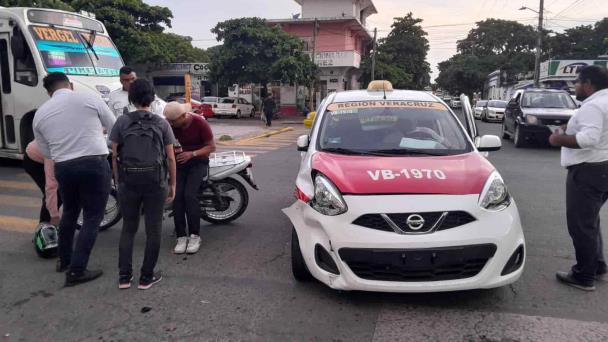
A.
pixel 46 240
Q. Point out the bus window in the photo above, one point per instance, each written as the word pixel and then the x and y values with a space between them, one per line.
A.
pixel 4 67
pixel 24 66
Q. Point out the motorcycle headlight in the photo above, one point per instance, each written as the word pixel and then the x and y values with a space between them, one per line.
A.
pixel 327 200
pixel 531 119
pixel 495 195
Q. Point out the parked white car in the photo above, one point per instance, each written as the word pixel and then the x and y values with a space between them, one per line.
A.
pixel 233 106
pixel 479 107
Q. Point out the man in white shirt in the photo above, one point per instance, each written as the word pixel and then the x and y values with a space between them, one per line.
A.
pixel 585 154
pixel 119 99
pixel 69 130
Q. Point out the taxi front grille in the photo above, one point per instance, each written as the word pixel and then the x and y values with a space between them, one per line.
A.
pixel 398 223
pixel 416 265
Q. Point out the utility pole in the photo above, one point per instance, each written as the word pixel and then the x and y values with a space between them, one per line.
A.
pixel 374 44
pixel 539 45
pixel 315 31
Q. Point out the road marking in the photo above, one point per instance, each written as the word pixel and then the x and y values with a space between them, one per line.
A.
pixel 436 324
pixel 20 201
pixel 18 224
pixel 261 145
pixel 18 185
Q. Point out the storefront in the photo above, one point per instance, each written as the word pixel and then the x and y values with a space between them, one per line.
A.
pixel 168 79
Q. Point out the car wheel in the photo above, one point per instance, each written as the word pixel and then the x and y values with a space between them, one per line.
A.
pixel 298 265
pixel 519 138
pixel 505 133
pixel 238 114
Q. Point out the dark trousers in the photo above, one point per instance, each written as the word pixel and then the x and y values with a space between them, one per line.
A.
pixel 131 199
pixel 84 184
pixel 186 206
pixel 586 193
pixel 36 171
pixel 268 118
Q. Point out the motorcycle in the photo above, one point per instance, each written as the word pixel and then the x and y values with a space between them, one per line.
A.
pixel 222 197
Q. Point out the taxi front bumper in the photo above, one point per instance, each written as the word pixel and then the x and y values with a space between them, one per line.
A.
pixel 485 253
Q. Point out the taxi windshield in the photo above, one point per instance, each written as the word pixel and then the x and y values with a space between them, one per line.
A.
pixel 76 53
pixel 391 128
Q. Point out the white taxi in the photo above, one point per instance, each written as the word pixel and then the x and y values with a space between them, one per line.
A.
pixel 394 194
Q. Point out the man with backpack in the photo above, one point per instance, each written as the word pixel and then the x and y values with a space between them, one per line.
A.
pixel 142 147
pixel 195 136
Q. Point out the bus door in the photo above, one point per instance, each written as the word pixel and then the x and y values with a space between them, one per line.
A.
pixel 7 110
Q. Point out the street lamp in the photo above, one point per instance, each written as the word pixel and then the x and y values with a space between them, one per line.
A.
pixel 539 42
pixel 528 8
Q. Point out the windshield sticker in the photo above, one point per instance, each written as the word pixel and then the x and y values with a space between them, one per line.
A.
pixel 86 71
pixel 377 175
pixel 340 106
pixel 55 35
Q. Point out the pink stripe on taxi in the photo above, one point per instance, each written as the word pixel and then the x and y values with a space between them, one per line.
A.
pixel 364 175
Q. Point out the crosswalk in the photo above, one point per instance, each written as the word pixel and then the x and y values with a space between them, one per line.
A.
pixel 260 145
pixel 20 198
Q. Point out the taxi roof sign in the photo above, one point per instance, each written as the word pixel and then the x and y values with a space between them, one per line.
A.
pixel 380 85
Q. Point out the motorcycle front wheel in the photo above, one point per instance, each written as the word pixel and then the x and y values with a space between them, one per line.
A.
pixel 111 214
pixel 232 204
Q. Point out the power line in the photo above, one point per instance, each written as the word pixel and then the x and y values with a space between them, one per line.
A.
pixel 572 5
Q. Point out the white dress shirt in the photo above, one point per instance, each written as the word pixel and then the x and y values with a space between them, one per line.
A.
pixel 590 125
pixel 119 104
pixel 70 125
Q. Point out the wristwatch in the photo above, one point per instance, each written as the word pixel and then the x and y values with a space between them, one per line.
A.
pixel 194 153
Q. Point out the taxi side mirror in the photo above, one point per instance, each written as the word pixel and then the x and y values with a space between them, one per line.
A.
pixel 488 143
pixel 303 142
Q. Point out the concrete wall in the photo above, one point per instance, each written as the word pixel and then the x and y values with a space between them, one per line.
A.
pixel 329 8
pixel 331 36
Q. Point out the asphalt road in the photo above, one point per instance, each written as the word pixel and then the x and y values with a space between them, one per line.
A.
pixel 239 287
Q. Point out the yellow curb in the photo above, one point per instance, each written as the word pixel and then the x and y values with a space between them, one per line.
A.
pixel 269 134
pixel 265 135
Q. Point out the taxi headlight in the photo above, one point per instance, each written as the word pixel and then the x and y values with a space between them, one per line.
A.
pixel 531 119
pixel 327 200
pixel 495 195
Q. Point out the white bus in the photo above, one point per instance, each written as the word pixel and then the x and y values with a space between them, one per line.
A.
pixel 35 42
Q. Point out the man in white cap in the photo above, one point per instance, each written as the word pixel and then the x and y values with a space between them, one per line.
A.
pixel 196 138
pixel 119 99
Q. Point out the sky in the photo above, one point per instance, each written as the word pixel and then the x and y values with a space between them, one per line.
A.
pixel 446 21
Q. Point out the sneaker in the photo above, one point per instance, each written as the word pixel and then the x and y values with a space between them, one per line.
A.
pixel 194 244
pixel 601 275
pixel 124 282
pixel 147 282
pixel 72 279
pixel 568 279
pixel 180 246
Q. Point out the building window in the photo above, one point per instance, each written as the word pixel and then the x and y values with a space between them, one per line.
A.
pixel 307 44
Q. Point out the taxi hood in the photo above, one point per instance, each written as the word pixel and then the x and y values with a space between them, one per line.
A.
pixel 366 175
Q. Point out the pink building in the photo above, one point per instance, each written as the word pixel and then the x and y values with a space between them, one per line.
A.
pixel 342 39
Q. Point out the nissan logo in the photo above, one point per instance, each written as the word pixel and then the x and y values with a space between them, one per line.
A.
pixel 415 222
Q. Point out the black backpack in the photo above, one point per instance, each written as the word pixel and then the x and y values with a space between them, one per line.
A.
pixel 142 156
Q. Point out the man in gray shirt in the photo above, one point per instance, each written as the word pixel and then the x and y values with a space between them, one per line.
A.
pixel 69 129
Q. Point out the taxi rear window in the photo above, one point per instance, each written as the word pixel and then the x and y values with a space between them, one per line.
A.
pixel 392 128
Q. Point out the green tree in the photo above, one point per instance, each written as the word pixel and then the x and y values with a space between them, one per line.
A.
pixel 581 42
pixel 401 56
pixel 254 52
pixel 494 44
pixel 136 28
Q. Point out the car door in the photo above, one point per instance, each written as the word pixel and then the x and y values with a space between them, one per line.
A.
pixel 469 119
pixel 7 109
pixel 511 112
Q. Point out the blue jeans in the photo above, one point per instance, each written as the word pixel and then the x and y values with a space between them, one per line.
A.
pixel 84 184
